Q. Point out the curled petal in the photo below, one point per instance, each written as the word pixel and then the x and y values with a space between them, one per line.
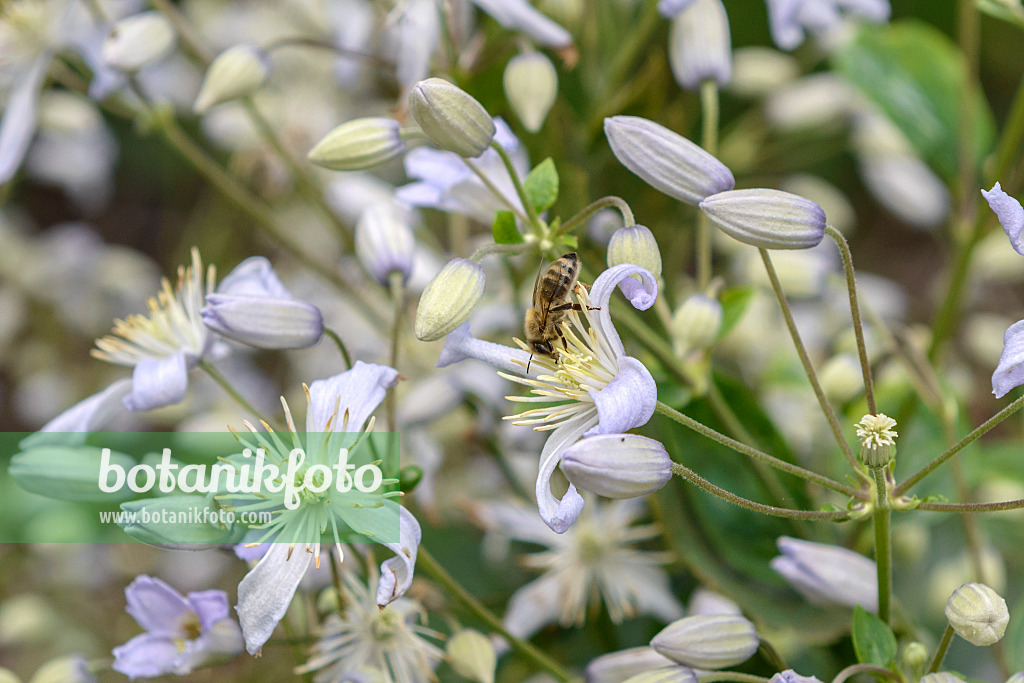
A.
pixel 158 383
pixel 1010 214
pixel 360 391
pixel 253 277
pixel 1009 373
pixel 266 591
pixel 396 573
pixel 641 294
pixel 627 401
pixel 460 344
pixel 156 607
pixel 560 514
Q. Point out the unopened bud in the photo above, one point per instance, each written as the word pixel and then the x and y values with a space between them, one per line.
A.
pixel 531 85
pixel 635 244
pixel 665 160
pixel 941 677
pixel 472 656
pixel 70 473
pixel 617 465
pixel 695 324
pixel 72 669
pixel 449 299
pixel 451 117
pixel 877 439
pixel 668 674
pixel 699 46
pixel 236 72
pixel 915 656
pixel 768 219
pixel 708 642
pixel 620 666
pixel 8 676
pixel 359 144
pixel 977 614
pixel 841 378
pixel 138 40
pixel 1016 678
pixel 385 242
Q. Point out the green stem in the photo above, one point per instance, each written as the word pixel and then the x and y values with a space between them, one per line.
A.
pixel 858 325
pixel 940 651
pixel 730 497
pixel 489 249
pixel 1000 506
pixel 709 140
pixel 882 518
pixel 749 451
pixel 594 207
pixel 771 655
pixel 489 184
pixel 398 302
pixel 959 446
pixel 850 671
pixel 341 346
pixel 531 213
pixel 425 560
pixel 805 360
pixel 217 377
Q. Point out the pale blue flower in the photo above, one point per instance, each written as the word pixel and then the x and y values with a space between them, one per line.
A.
pixel 520 15
pixel 670 8
pixel 592 388
pixel 828 574
pixel 183 633
pixel 339 405
pixel 1010 214
pixel 444 182
pixel 790 20
pixel 1009 373
pixel 253 307
pixel 790 676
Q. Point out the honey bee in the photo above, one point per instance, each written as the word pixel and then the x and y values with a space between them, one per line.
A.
pixel 551 293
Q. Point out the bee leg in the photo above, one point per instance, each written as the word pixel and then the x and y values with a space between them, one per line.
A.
pixel 575 307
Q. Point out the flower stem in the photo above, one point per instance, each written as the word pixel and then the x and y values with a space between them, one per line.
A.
pixel 489 249
pixel 858 325
pixel 882 518
pixel 592 208
pixel 398 302
pixel 489 184
pixel 341 347
pixel 531 213
pixel 1000 506
pixel 217 377
pixel 940 651
pixel 527 650
pixel 730 497
pixel 801 350
pixel 709 140
pixel 959 446
pixel 854 669
pixel 795 470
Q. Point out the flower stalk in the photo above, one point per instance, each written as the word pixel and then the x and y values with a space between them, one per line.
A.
pixel 940 651
pixel 709 141
pixel 882 520
pixel 858 325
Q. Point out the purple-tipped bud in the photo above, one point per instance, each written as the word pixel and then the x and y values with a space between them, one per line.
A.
pixel 708 642
pixel 769 219
pixel 385 242
pixel 617 465
pixel 665 160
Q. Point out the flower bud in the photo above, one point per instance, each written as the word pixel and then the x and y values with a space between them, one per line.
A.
pixel 827 574
pixel 70 473
pixel 695 324
pixel 73 669
pixel 619 666
pixel 617 465
pixel 768 219
pixel 138 40
pixel 531 85
pixel 472 656
pixel 977 614
pixel 665 160
pixel 1016 678
pixel 236 72
pixel 915 657
pixel 699 46
pixel 668 674
pixel 385 242
pixel 708 642
pixel 877 439
pixel 841 378
pixel 449 299
pixel 790 676
pixel 706 602
pixel 451 117
pixel 940 677
pixel 359 144
pixel 635 244
pixel 8 676
pixel 158 521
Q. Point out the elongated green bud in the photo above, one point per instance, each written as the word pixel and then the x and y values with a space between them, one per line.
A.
pixel 449 299
pixel 531 85
pixel 769 219
pixel 359 144
pixel 236 72
pixel 451 117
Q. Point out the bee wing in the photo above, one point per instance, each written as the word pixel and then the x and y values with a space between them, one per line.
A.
pixel 536 282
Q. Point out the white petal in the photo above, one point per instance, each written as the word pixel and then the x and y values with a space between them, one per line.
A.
pixel 521 15
pixel 360 390
pixel 628 401
pixel 92 413
pixel 640 294
pixel 19 118
pixel 158 383
pixel 515 521
pixel 1010 214
pixel 460 344
pixel 253 277
pixel 534 605
pixel 560 514
pixel 266 591
pixel 396 573
pixel 1009 373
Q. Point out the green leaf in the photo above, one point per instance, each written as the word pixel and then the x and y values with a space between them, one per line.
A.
pixel 873 641
pixel 568 241
pixel 541 185
pixel 915 74
pixel 504 228
pixel 1011 11
pixel 735 301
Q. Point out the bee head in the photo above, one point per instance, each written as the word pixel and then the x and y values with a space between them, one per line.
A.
pixel 543 348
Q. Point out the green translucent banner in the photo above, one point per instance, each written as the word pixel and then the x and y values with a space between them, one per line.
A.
pixel 199 489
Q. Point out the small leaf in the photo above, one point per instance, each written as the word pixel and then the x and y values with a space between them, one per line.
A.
pixel 735 301
pixel 541 185
pixel 873 641
pixel 568 241
pixel 504 228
